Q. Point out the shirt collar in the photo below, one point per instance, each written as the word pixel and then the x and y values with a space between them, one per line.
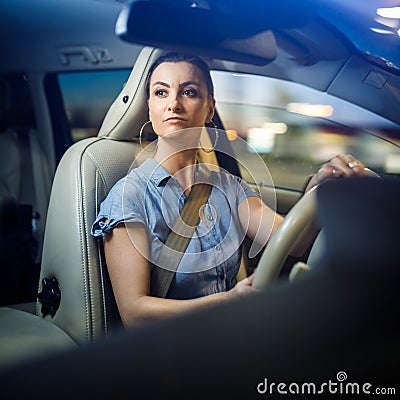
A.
pixel 157 173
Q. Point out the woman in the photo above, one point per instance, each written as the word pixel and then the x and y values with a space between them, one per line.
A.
pixel 137 215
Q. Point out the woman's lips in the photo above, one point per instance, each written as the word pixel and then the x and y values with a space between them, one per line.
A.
pixel 174 119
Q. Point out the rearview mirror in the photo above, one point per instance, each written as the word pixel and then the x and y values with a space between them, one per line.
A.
pixel 192 26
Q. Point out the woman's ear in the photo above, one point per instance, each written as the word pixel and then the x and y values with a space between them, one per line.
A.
pixel 211 111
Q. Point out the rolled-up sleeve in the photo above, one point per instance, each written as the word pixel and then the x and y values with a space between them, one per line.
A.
pixel 117 207
pixel 243 190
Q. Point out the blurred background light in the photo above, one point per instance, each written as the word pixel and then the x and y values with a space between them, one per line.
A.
pixel 262 139
pixel 311 110
pixel 231 134
pixel 276 128
pixel 382 31
pixel 392 163
pixel 389 22
pixel 392 12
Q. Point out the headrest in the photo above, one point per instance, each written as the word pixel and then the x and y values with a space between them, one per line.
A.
pixel 129 112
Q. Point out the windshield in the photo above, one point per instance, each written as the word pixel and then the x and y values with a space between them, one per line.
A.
pixel 295 129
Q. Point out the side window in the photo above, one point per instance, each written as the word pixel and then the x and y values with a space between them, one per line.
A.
pixel 294 129
pixel 87 97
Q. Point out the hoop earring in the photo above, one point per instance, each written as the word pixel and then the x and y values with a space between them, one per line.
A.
pixel 215 141
pixel 141 132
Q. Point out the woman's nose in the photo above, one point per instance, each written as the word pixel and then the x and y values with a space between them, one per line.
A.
pixel 174 104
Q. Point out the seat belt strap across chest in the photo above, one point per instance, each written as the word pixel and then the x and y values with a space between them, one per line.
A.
pixel 178 239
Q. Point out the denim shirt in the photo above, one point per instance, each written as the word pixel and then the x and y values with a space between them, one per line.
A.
pixel 151 196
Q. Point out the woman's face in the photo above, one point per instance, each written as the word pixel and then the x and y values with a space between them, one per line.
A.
pixel 178 98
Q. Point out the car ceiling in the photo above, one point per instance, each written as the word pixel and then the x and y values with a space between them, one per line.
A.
pixel 35 43
pixel 335 51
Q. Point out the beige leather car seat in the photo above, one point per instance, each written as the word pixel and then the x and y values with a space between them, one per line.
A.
pixel 72 265
pixel 76 304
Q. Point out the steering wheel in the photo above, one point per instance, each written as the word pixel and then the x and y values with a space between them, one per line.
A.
pixel 283 239
pixel 277 249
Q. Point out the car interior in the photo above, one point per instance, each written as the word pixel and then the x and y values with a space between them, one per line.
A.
pixel 56 296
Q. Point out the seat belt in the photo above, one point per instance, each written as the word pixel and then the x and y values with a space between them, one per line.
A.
pixel 178 239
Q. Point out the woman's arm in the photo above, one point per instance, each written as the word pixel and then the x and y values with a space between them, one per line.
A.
pixel 258 221
pixel 126 252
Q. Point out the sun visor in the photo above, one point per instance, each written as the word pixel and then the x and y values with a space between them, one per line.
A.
pixel 194 27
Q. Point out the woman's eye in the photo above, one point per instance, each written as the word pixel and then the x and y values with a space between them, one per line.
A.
pixel 190 92
pixel 160 92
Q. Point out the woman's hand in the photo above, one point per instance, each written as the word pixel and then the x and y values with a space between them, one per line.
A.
pixel 243 287
pixel 341 166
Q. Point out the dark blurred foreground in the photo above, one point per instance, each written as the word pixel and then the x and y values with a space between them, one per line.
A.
pixel 343 318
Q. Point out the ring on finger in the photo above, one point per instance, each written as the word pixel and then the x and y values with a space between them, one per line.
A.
pixel 353 164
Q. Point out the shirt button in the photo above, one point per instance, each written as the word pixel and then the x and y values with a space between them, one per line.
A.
pixel 218 247
pixel 209 217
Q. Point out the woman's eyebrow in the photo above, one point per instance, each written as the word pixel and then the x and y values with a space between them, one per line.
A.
pixel 187 83
pixel 161 83
pixel 180 85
